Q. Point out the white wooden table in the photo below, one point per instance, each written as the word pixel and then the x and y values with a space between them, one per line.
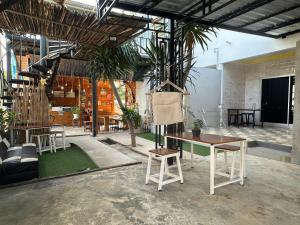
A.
pixel 212 141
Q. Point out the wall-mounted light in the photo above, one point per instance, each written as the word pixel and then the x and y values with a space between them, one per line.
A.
pixel 112 38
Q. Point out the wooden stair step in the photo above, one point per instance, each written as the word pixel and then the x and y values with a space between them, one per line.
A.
pixel 7 97
pixel 40 68
pixel 31 75
pixel 25 82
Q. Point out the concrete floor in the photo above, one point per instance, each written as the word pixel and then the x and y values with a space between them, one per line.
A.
pixel 271 195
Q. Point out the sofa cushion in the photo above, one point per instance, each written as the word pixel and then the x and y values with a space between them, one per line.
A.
pixel 12 156
pixel 6 142
pixel 3 149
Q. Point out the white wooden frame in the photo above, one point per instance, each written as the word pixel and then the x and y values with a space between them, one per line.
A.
pixel 213 186
pixel 164 170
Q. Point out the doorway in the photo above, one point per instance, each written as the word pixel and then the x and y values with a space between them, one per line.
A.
pixel 277 100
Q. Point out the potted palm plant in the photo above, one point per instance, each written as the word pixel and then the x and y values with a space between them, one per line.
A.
pixel 198 124
pixel 116 63
pixel 75 111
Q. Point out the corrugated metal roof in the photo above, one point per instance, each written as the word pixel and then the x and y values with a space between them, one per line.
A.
pixel 274 18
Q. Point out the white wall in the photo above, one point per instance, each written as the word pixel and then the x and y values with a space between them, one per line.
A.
pixel 296 126
pixel 242 83
pixel 255 73
pixel 205 94
pixel 234 46
pixel 141 89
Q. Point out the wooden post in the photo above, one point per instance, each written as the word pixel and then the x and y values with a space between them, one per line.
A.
pixel 94 105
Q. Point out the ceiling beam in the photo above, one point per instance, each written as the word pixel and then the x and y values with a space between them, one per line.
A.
pixel 153 4
pixel 242 10
pixel 289 33
pixel 280 25
pixel 271 15
pixel 227 27
pixel 202 8
pixel 103 11
pixel 6 4
pixel 192 7
pixel 211 12
pixel 154 12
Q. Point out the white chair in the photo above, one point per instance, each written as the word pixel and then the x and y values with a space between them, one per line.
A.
pixel 59 134
pixel 227 149
pixel 164 154
pixel 42 140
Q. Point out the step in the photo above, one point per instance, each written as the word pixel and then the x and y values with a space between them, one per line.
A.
pixel 25 82
pixel 7 104
pixel 29 74
pixel 8 97
pixel 40 68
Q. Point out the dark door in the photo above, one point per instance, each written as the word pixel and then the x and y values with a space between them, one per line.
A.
pixel 292 99
pixel 275 98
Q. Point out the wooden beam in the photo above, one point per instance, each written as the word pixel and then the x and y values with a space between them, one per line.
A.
pixel 6 4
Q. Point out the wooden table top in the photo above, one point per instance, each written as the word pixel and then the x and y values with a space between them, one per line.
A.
pixel 29 127
pixel 211 139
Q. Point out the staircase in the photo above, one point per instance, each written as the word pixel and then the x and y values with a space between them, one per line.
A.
pixel 35 72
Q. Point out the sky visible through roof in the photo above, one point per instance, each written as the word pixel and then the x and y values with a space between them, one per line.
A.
pixel 88 2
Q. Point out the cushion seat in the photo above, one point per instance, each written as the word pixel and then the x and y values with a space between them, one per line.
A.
pixel 17 163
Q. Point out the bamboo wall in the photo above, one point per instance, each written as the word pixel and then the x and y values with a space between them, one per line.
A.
pixel 31 105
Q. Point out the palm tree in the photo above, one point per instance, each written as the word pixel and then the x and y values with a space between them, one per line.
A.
pixel 116 63
pixel 193 34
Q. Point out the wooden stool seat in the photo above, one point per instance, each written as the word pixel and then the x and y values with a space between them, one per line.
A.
pixel 163 151
pixel 164 154
pixel 231 148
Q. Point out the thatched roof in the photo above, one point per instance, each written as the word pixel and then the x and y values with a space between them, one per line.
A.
pixel 72 24
pixel 73 67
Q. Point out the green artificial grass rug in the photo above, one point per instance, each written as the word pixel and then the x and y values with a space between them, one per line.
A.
pixel 64 162
pixel 198 149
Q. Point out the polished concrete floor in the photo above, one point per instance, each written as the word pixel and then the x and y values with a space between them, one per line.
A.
pixel 270 196
pixel 275 135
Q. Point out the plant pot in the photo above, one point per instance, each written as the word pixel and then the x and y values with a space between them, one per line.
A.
pixel 196 132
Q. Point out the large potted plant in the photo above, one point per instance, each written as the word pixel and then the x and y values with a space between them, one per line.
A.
pixel 7 119
pixel 132 115
pixel 116 63
pixel 76 112
pixel 198 124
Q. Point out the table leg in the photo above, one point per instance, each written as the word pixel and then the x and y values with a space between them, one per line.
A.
pixel 64 137
pixel 253 119
pixel 245 160
pixel 106 123
pixel 192 155
pixel 242 161
pixel 212 169
pixel 27 135
pixel 166 141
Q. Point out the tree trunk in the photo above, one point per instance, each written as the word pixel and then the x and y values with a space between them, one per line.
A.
pixel 129 123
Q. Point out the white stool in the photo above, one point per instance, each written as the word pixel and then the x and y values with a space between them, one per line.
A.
pixel 62 135
pixel 53 142
pixel 42 142
pixel 164 154
pixel 59 133
pixel 226 149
